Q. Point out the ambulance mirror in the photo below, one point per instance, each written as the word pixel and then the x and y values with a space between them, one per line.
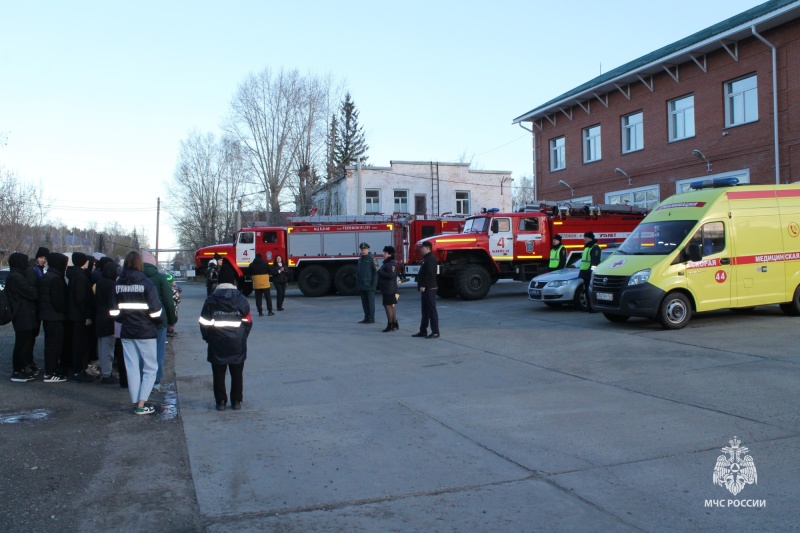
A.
pixel 694 252
pixel 495 225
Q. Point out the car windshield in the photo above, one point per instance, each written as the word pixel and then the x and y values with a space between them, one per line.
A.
pixel 605 253
pixel 476 225
pixel 657 238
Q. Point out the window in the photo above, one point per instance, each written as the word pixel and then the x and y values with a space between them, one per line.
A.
pixel 373 201
pixel 741 101
pixel 591 144
pixel 462 203
pixel 529 224
pixel 335 204
pixel 646 197
pixel 401 201
pixel 247 237
pixel 420 206
pixel 270 237
pixel 681 118
pixel 503 225
pixel 557 154
pixel 711 238
pixel 632 132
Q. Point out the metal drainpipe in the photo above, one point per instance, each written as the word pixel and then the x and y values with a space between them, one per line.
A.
pixel 774 102
pixel 533 149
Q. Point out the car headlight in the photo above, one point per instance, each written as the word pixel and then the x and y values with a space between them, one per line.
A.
pixel 557 283
pixel 640 277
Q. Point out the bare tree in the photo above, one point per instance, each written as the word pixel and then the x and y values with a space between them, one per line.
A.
pixel 209 180
pixel 523 192
pixel 21 211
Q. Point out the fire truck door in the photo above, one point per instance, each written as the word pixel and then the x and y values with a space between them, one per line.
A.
pixel 529 243
pixel 268 245
pixel 501 239
pixel 245 248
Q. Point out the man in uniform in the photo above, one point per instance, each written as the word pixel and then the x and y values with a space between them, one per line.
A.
pixel 558 254
pixel 426 282
pixel 590 258
pixel 367 280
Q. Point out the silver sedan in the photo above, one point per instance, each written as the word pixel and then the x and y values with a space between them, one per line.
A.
pixel 563 286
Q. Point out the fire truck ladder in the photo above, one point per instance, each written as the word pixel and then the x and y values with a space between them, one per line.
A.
pixel 342 219
pixel 435 188
pixel 574 208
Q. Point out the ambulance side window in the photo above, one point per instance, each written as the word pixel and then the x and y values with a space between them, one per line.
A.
pixel 711 238
pixel 529 224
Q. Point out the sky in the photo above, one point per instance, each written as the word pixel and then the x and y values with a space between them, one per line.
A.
pixel 96 96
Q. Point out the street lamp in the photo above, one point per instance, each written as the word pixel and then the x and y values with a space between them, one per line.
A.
pixel 565 184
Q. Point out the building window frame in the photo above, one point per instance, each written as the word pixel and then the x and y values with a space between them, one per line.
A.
pixel 372 201
pixel 401 201
pixel 558 154
pixel 463 201
pixel 744 98
pixel 633 132
pixel 635 196
pixel 681 118
pixel 592 145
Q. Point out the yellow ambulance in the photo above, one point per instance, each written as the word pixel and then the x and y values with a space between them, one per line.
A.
pixel 716 246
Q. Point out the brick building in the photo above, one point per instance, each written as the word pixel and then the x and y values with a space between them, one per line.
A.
pixel 704 106
pixel 420 188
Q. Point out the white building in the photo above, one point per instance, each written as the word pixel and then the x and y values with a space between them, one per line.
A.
pixel 419 188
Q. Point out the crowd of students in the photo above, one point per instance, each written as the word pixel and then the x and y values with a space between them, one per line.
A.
pixel 92 312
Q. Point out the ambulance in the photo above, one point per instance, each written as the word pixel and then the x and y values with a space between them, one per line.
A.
pixel 716 246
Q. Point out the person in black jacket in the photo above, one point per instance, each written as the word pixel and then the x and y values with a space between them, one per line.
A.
pixel 427 286
pixel 279 279
pixel 80 312
pixel 367 281
pixel 225 324
pixel 104 324
pixel 590 258
pixel 53 313
pixel 135 304
pixel 387 284
pixel 22 295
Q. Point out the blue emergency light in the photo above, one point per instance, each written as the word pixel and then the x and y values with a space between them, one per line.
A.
pixel 491 210
pixel 714 184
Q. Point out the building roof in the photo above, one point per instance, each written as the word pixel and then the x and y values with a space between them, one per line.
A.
pixel 762 17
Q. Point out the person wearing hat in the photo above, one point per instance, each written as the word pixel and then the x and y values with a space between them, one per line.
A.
pixel 558 254
pixel 427 286
pixel 387 285
pixel 40 261
pixel 22 297
pixel 259 272
pixel 168 317
pixel 590 258
pixel 52 307
pixel 367 281
pixel 225 324
pixel 80 312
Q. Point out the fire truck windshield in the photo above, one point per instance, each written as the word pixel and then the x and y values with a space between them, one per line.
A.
pixel 656 238
pixel 476 225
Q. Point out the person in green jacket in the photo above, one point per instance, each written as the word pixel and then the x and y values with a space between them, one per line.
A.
pixel 367 280
pixel 168 317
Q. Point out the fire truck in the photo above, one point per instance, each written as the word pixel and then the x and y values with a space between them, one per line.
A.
pixel 321 252
pixel 493 245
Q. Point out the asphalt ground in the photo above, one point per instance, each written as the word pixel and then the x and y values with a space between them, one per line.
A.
pixel 519 418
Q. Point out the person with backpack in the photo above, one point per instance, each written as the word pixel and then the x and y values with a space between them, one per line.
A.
pixel 22 299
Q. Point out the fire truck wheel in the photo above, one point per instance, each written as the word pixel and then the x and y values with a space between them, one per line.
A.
pixel 345 280
pixel 314 280
pixel 675 311
pixel 473 282
pixel 792 308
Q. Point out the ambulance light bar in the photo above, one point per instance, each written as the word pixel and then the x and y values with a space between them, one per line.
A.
pixel 714 184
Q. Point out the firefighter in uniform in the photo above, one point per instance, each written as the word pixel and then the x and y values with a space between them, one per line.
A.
pixel 590 258
pixel 558 254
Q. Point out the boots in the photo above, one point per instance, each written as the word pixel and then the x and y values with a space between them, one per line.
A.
pixel 388 328
pixel 395 326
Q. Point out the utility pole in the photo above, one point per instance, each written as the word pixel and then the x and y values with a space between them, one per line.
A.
pixel 158 221
pixel 238 215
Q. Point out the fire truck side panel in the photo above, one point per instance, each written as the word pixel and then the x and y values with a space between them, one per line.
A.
pixel 304 244
pixel 339 244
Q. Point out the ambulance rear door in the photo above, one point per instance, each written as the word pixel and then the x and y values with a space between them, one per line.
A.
pixel 760 257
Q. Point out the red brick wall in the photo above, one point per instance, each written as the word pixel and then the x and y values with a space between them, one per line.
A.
pixel 749 146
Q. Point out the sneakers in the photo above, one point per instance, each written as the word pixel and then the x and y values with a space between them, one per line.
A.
pixel 93 370
pixel 146 410
pixel 32 369
pixel 54 378
pixel 22 376
pixel 110 380
pixel 81 377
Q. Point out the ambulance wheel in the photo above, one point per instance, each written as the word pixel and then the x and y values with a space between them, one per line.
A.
pixel 615 318
pixel 345 280
pixel 792 308
pixel 473 282
pixel 314 280
pixel 675 312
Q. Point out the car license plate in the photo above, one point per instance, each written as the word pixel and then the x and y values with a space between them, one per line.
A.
pixel 412 270
pixel 536 293
pixel 605 296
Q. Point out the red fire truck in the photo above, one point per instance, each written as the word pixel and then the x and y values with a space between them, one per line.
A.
pixel 495 245
pixel 321 252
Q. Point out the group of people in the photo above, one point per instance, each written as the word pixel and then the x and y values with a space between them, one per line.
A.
pixel 92 310
pixel 590 258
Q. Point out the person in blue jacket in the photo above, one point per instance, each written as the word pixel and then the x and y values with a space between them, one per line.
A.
pixel 225 324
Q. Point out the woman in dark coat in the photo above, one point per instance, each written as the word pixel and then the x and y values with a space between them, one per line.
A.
pixel 22 296
pixel 225 323
pixel 279 279
pixel 387 284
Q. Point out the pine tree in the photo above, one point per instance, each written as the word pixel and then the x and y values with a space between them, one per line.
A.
pixel 331 142
pixel 350 145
